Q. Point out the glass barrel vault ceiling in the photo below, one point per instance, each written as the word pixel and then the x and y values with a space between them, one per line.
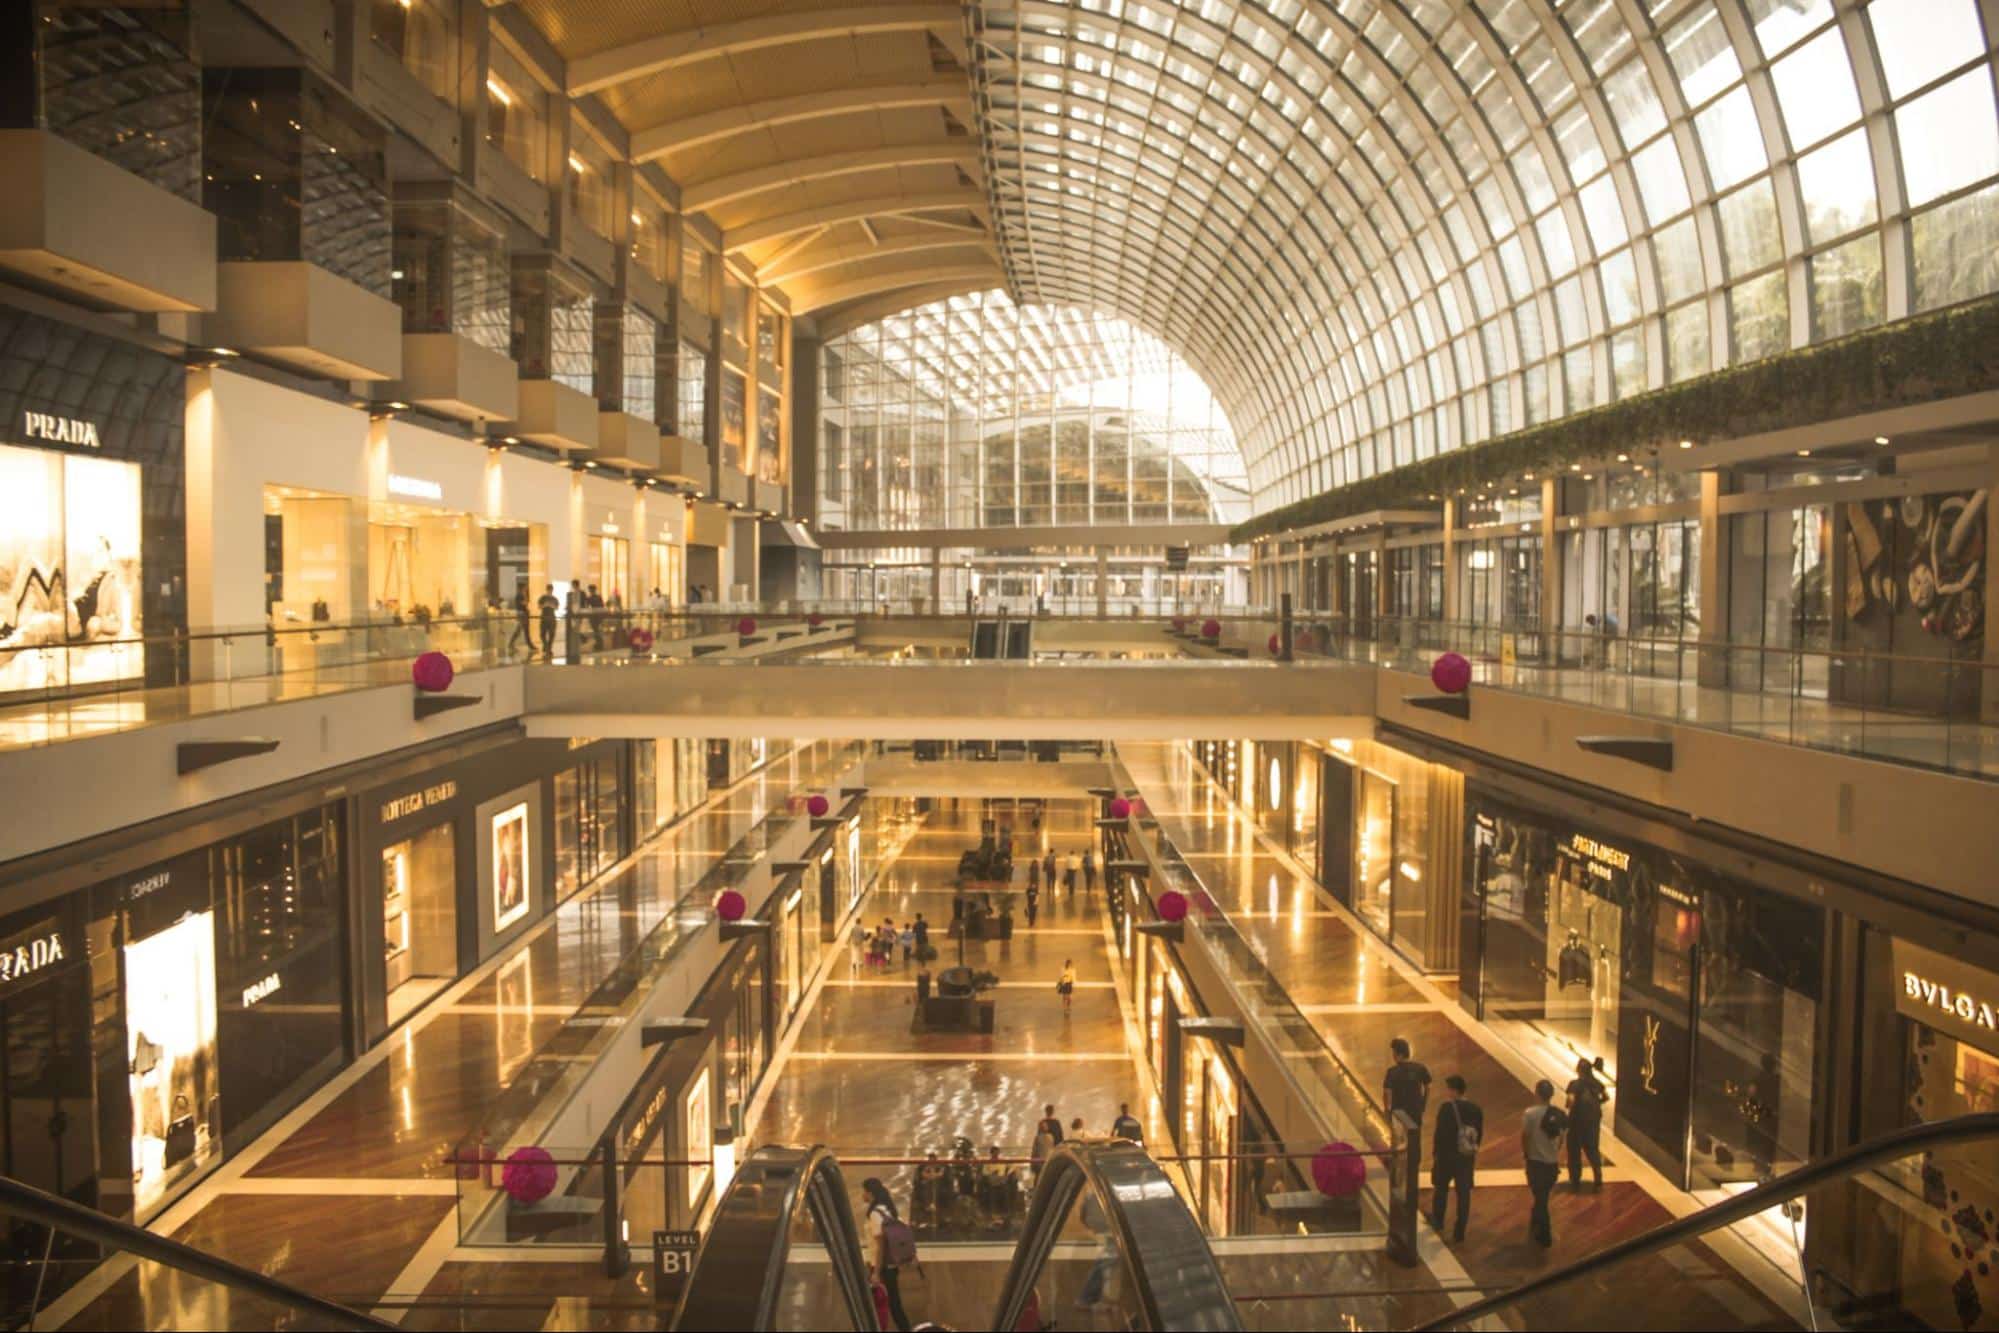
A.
pixel 1384 230
pixel 974 412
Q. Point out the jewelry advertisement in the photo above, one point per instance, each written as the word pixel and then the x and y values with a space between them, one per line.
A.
pixel 697 1119
pixel 70 591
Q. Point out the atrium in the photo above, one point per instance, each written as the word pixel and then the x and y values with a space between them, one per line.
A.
pixel 1000 664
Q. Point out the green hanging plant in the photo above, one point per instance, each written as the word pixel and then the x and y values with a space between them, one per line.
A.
pixel 1926 357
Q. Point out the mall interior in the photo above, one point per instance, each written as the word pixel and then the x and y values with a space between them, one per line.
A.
pixel 999 664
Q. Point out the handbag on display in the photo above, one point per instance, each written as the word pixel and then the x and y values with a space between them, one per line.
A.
pixel 180 1133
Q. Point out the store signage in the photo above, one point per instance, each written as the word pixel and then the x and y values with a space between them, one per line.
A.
pixel 150 884
pixel 672 1263
pixel 60 430
pixel 644 1121
pixel 1603 861
pixel 415 488
pixel 416 801
pixel 31 952
pixel 262 990
pixel 1949 995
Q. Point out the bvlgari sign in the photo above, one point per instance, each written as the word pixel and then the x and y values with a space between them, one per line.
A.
pixel 61 430
pixel 1947 994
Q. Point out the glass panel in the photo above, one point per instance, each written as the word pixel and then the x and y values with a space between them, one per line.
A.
pixel 1815 89
pixel 1759 318
pixel 1914 52
pixel 1949 138
pixel 1846 288
pixel 1956 248
pixel 1837 182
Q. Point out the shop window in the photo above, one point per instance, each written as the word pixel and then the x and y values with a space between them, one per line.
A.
pixel 692 396
pixel 590 184
pixel 70 532
pixel 735 423
pixel 514 112
pixel 419 918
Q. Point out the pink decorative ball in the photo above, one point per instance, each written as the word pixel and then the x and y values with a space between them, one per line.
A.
pixel 1303 641
pixel 528 1175
pixel 1120 808
pixel 747 625
pixel 818 805
pixel 1211 629
pixel 1339 1170
pixel 1172 905
pixel 1138 806
pixel 641 640
pixel 1275 648
pixel 815 620
pixel 730 906
pixel 432 672
pixel 1451 673
pixel 1179 623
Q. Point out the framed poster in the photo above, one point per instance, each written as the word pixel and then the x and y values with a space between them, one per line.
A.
pixel 510 866
pixel 697 1119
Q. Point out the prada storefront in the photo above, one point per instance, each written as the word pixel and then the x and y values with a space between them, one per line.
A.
pixel 93 548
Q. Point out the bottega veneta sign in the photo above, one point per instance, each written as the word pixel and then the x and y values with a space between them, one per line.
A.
pixel 436 794
pixel 61 430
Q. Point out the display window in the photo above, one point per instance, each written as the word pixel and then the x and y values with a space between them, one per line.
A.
pixel 510 866
pixel 170 1047
pixel 1696 993
pixel 590 821
pixel 70 570
pixel 419 918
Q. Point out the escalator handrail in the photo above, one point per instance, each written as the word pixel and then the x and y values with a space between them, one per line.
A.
pixel 1190 1293
pixel 738 1272
pixel 1740 1207
pixel 20 1199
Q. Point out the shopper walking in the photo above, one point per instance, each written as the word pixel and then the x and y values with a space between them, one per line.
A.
pixel 1048 869
pixel 593 602
pixel 1066 987
pixel 908 940
pixel 1406 1086
pixel 1454 1149
pixel 523 621
pixel 1071 872
pixel 572 627
pixel 1541 1128
pixel 548 606
pixel 1089 871
pixel 891 1244
pixel 1586 1098
pixel 922 932
pixel 1033 902
pixel 1126 1126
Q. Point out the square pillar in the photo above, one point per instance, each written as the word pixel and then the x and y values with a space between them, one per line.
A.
pixel 1450 560
pixel 1103 582
pixel 1551 569
pixel 1716 556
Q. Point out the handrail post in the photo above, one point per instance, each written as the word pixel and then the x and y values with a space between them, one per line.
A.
pixel 1405 1165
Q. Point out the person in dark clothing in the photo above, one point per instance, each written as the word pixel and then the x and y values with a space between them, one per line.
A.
pixel 548 606
pixel 523 615
pixel 1454 1152
pixel 572 625
pixel 1586 1099
pixel 1033 902
pixel 1089 871
pixel 593 602
pixel 1406 1086
pixel 1126 1125
pixel 1048 870
pixel 922 932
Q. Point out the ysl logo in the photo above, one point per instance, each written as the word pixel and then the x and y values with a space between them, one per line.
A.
pixel 1651 1065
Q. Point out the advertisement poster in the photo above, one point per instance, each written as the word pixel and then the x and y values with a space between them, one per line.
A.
pixel 170 1027
pixel 510 859
pixel 696 1117
pixel 70 587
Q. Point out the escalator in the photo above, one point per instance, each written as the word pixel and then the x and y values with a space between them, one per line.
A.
pixel 1899 1232
pixel 35 1272
pixel 1105 1230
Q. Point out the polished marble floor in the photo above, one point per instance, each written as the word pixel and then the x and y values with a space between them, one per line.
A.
pixel 352 1195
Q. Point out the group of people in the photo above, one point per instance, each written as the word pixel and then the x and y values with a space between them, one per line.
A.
pixel 1547 1133
pixel 587 611
pixel 877 945
pixel 959 1194
pixel 1077 867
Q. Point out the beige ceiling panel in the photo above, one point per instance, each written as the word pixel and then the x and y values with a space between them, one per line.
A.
pixel 841 247
pixel 845 285
pixel 575 27
pixel 785 224
pixel 838 319
pixel 744 184
pixel 792 24
pixel 674 136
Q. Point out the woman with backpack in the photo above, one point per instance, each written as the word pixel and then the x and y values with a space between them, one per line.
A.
pixel 891 1244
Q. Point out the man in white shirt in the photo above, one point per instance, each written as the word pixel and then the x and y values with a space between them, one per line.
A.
pixel 1541 1127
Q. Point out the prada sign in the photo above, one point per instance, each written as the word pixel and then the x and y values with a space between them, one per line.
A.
pixel 32 952
pixel 61 430
pixel 1952 996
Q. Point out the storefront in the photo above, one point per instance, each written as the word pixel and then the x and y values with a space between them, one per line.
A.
pixel 93 533
pixel 670 778
pixel 458 860
pixel 1699 992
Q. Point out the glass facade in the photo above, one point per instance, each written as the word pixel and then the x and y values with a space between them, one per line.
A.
pixel 1384 232
pixel 974 412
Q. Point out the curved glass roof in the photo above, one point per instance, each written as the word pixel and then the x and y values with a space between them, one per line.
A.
pixel 975 412
pixel 1383 230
